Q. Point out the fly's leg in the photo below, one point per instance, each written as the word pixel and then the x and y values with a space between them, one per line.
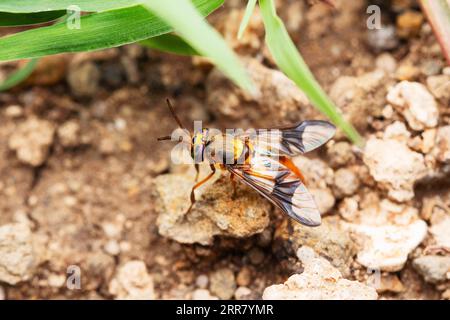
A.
pixel 197 172
pixel 198 184
pixel 233 182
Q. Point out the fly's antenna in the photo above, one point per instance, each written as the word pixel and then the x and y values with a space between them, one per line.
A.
pixel 172 110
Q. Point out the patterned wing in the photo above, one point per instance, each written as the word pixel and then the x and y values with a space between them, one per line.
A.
pixel 281 186
pixel 301 138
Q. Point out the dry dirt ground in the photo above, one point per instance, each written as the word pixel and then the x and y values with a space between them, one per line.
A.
pixel 84 183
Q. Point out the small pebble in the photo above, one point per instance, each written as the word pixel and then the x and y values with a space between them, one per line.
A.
pixel 14 111
pixel 202 281
pixel 244 276
pixel 222 283
pixel 242 293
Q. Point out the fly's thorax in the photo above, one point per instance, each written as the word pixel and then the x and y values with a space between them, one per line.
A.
pixel 198 146
pixel 225 149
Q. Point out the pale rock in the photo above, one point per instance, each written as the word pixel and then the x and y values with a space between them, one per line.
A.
pixel 440 87
pixel 339 154
pixel 2 293
pixel 112 247
pixel 382 39
pixel 69 134
pixel 346 182
pixel 386 62
pixel 440 232
pixel 216 212
pixel 319 281
pixel 348 208
pixel 331 240
pixel 360 98
pixel 242 293
pixel 223 283
pixel 132 281
pixel 387 247
pixel 324 199
pixel 317 172
pixel 389 283
pixel 202 281
pixel 396 131
pixel 429 141
pixel 203 294
pixel 416 103
pixel 13 111
pixel 442 145
pixel 56 280
pixel 387 112
pixel 387 233
pixel 17 255
pixel 31 141
pixel 394 167
pixel 433 268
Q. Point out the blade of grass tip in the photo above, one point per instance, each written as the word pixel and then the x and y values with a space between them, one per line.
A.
pixel 170 43
pixel 438 14
pixel 19 75
pixel 245 20
pixel 292 64
pixel 182 16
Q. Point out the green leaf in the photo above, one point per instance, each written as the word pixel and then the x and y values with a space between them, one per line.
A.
pixel 170 43
pixel 98 31
pixel 201 36
pixel 19 76
pixel 23 6
pixel 292 64
pixel 23 19
pixel 245 20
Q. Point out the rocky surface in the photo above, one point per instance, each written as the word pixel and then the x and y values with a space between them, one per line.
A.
pixel 132 281
pixel 416 104
pixel 394 166
pixel 319 281
pixel 330 240
pixel 387 233
pixel 215 213
pixel 17 255
pixel 433 268
pixel 32 141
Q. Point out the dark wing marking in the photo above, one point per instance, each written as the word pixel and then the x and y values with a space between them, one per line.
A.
pixel 301 138
pixel 306 136
pixel 281 186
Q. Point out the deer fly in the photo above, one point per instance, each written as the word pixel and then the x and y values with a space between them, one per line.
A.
pixel 262 161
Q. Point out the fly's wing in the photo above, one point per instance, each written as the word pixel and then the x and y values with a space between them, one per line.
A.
pixel 301 138
pixel 281 186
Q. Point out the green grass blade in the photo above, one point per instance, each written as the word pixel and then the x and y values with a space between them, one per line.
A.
pixel 24 19
pixel 292 64
pixel 98 31
pixel 245 20
pixel 23 6
pixel 189 24
pixel 170 43
pixel 19 76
